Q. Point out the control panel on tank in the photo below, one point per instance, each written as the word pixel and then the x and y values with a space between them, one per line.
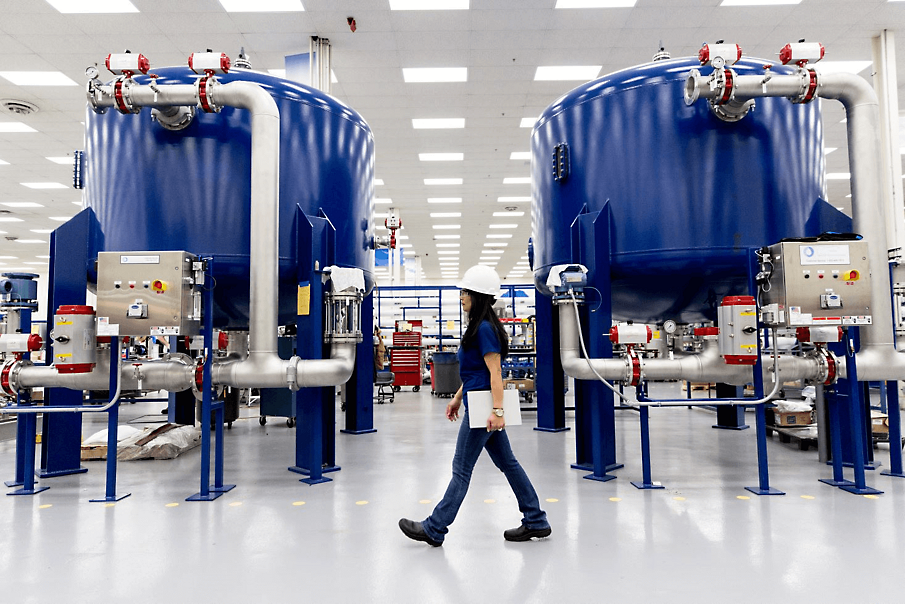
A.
pixel 148 293
pixel 805 283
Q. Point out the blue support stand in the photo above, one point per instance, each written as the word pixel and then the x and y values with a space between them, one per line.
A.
pixel 859 487
pixel 73 248
pixel 646 482
pixel 25 454
pixel 763 471
pixel 208 491
pixel 895 432
pixel 112 429
pixel 550 383
pixel 360 387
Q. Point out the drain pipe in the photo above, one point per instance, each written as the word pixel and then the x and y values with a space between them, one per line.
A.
pixel 877 359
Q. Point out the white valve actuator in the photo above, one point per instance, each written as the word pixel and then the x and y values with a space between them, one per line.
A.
pixel 729 53
pixel 630 334
pixel 127 63
pixel 801 53
pixel 209 63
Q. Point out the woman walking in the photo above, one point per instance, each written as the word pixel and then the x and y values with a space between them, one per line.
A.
pixel 483 346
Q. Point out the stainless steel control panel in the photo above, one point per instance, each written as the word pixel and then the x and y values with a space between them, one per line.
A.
pixel 148 293
pixel 816 283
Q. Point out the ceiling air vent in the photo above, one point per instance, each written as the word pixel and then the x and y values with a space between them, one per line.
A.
pixel 18 107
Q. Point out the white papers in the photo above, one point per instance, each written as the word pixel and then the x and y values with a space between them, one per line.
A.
pixel 480 402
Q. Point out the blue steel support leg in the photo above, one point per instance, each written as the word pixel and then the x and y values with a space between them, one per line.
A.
pixel 207 493
pixel 21 439
pixel 763 487
pixel 895 432
pixel 854 387
pixel 646 482
pixel 30 422
pixel 838 478
pixel 360 387
pixel 112 429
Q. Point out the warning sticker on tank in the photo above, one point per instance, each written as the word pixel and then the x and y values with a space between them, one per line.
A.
pixel 165 331
pixel 862 320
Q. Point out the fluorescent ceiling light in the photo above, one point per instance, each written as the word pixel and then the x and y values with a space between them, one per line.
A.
pixel 854 67
pixel 408 252
pixel 503 226
pixel 402 236
pixel 527 122
pixel 428 4
pixel 567 72
pixel 829 150
pixel 380 215
pixel 42 231
pixel 61 218
pixel 438 123
pixel 42 256
pixel 443 181
pixel 64 161
pixel 3 163
pixel 78 203
pixel 448 252
pixel 449 264
pixel 489 258
pixel 758 2
pixel 404 245
pixel 378 182
pixel 93 6
pixel 383 200
pixel 513 214
pixel 486 263
pixel 512 199
pixel 9 257
pixel 43 185
pixel 449 244
pixel 838 176
pixel 435 74
pixel 37 78
pixel 22 204
pixel 447 226
pixel 9 219
pixel 447 236
pixel 520 155
pixel 446 214
pixel 492 251
pixel 34 263
pixel 444 200
pixel 840 208
pixel 500 236
pixel 15 127
pixel 30 241
pixel 521 263
pixel 495 244
pixel 441 156
pixel 262 6
pixel 526 180
pixel 595 3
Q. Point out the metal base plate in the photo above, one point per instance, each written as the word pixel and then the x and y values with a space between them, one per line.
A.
pixel 223 489
pixel 719 427
pixel 835 483
pixel 369 431
pixel 13 483
pixel 604 478
pixel 109 499
pixel 891 473
pixel 642 485
pixel 34 491
pixel 768 491
pixel 45 474
pixel 199 497
pixel 590 467
pixel 307 472
pixel 320 480
pixel 862 491
pixel 563 429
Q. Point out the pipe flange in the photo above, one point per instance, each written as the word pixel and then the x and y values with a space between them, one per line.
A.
pixel 827 364
pixel 9 376
pixel 809 86
pixel 634 363
pixel 732 111
pixel 174 118
pixel 205 89
pixel 95 93
pixel 122 96
pixel 722 83
pixel 693 84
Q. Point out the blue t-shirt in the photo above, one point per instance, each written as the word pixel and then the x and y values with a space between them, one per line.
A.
pixel 472 368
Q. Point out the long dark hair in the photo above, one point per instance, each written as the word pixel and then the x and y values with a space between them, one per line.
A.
pixel 482 310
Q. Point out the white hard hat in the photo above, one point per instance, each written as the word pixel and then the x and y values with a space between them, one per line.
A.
pixel 481 279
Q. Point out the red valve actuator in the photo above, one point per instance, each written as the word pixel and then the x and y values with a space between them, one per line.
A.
pixel 801 53
pixel 730 53
pixel 209 62
pixel 819 334
pixel 127 63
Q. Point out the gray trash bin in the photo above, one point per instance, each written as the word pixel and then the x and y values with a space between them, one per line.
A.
pixel 445 374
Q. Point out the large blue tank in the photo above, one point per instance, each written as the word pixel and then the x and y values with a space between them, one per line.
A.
pixel 689 194
pixel 155 189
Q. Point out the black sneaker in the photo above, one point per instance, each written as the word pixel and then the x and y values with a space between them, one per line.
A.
pixel 523 533
pixel 414 530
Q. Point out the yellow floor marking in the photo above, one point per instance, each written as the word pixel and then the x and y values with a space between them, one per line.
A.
pixel 615 499
pixel 425 501
pixel 172 505
pixel 361 502
pixel 298 503
pixel 679 498
pixel 807 497
pixel 235 504
pixel 871 497
pixel 490 501
pixel 551 500
pixel 109 505
pixel 742 497
pixel 45 506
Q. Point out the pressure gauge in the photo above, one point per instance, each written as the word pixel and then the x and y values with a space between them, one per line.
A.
pixel 92 72
pixel 669 326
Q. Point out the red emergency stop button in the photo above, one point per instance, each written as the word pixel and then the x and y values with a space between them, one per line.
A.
pixel 852 275
pixel 158 285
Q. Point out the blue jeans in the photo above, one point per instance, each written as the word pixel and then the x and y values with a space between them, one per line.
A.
pixel 468 449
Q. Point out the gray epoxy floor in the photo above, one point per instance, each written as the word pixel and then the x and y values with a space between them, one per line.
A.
pixel 274 539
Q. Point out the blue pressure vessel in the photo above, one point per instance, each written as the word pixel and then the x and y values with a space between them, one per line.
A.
pixel 689 194
pixel 154 189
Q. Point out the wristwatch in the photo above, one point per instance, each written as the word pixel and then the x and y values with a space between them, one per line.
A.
pixel 497 411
